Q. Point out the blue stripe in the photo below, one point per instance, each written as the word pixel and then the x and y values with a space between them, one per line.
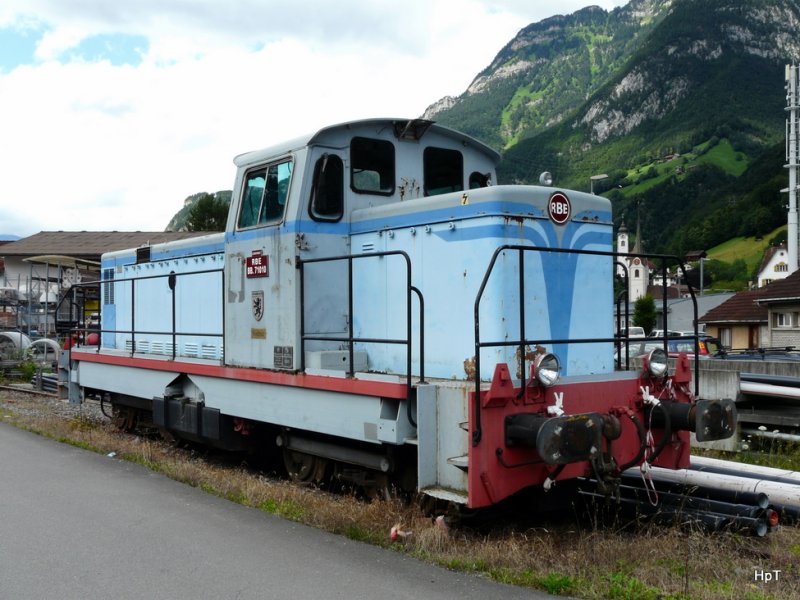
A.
pixel 454 213
pixel 557 267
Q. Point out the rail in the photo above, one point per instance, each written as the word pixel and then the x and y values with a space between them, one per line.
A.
pixel 523 342
pixel 350 339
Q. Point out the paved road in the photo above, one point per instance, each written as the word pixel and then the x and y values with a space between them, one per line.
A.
pixel 78 525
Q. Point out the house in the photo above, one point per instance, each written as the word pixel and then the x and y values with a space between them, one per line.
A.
pixel 37 270
pixel 781 299
pixel 774 265
pixel 740 322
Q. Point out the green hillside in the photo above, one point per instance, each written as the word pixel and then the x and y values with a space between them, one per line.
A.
pixel 749 249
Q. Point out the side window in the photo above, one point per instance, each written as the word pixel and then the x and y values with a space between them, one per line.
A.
pixel 264 195
pixel 443 171
pixel 327 189
pixel 372 166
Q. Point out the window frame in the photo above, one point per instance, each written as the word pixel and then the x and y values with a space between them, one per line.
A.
pixel 265 168
pixel 427 166
pixel 354 162
pixel 781 320
pixel 318 165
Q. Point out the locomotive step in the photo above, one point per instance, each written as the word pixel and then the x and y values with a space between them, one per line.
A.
pixel 462 462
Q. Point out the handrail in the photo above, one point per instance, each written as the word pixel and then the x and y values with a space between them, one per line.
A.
pixel 172 279
pixel 522 342
pixel 350 339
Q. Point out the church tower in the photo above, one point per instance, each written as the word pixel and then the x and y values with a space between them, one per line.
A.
pixel 638 269
pixel 622 246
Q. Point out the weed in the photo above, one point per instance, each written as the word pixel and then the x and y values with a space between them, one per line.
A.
pixel 556 583
pixel 626 587
pixel 284 508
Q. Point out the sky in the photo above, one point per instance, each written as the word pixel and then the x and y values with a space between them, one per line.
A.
pixel 112 113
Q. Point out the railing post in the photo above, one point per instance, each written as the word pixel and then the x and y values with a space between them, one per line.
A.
pixel 350 314
pixel 172 282
pixel 133 317
pixel 522 318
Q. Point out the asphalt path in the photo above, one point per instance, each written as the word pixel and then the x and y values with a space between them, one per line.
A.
pixel 79 525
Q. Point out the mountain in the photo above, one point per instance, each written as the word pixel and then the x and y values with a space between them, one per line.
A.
pixel 676 100
pixel 548 71
pixel 218 209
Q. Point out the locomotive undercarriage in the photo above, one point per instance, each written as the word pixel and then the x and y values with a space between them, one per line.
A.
pixel 306 458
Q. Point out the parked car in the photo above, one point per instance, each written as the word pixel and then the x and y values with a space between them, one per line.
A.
pixel 659 333
pixel 782 354
pixel 632 332
pixel 708 347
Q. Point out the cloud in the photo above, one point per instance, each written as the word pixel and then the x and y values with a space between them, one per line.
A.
pixel 130 107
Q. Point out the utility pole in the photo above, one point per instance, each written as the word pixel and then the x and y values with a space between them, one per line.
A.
pixel 792 138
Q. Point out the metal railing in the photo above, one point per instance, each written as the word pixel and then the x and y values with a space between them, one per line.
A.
pixel 350 339
pixel 522 342
pixel 172 282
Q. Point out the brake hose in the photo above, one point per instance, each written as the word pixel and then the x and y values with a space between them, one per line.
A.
pixel 642 438
pixel 667 433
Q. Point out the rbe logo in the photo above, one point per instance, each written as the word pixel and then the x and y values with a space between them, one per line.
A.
pixel 559 208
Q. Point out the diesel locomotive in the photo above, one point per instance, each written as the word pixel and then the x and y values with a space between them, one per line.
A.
pixel 378 308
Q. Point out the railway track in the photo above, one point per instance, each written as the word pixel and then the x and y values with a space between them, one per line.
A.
pixel 27 391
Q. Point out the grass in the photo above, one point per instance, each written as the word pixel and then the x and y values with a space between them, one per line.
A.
pixel 583 561
pixel 723 155
pixel 750 249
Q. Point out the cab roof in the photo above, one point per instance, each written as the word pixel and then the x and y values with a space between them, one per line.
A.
pixel 410 129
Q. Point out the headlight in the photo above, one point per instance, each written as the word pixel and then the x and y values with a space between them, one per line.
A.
pixel 657 362
pixel 548 369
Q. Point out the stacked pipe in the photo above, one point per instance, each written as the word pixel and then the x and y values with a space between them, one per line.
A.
pixel 715 493
pixel 782 486
pixel 45 382
pixel 672 503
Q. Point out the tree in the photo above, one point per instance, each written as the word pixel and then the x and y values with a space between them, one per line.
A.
pixel 644 313
pixel 208 213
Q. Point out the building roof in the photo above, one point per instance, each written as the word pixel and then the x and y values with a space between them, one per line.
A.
pixel 768 254
pixel 783 290
pixel 89 245
pixel 740 308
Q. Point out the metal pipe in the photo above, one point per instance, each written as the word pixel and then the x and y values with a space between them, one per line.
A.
pixel 774 435
pixel 716 465
pixel 778 492
pixel 756 499
pixel 698 503
pixel 771 379
pixel 671 514
pixel 765 389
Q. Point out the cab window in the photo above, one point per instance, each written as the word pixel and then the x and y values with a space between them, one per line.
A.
pixel 264 195
pixel 479 180
pixel 327 189
pixel 443 170
pixel 372 166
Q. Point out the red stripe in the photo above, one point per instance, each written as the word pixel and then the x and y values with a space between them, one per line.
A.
pixel 348 385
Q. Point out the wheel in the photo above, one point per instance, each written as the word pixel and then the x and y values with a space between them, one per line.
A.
pixel 124 418
pixel 304 468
